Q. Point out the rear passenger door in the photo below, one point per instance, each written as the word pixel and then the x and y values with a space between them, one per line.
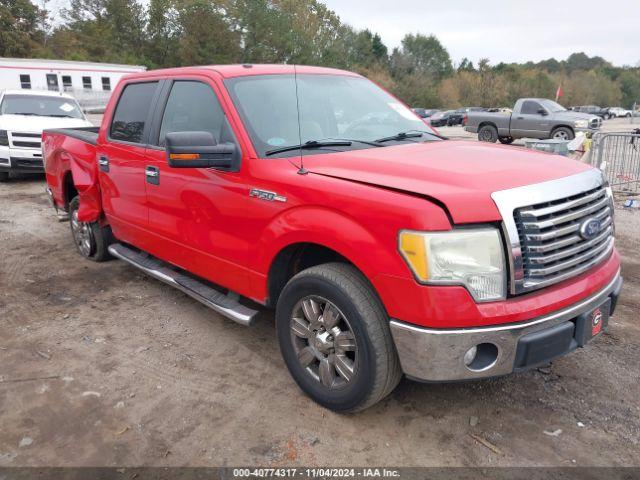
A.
pixel 121 161
pixel 196 213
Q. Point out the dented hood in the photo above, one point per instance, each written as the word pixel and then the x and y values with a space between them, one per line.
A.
pixel 460 174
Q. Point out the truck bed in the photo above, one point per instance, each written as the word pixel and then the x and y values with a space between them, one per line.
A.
pixel 85 134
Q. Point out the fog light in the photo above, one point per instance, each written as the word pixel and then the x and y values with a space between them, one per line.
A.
pixel 470 356
pixel 481 357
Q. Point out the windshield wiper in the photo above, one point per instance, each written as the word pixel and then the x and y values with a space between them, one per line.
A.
pixel 26 113
pixel 310 145
pixel 399 136
pixel 409 134
pixel 62 116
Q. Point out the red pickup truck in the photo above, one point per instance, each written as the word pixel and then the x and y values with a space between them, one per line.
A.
pixel 384 248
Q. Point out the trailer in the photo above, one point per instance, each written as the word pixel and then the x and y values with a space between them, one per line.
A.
pixel 89 82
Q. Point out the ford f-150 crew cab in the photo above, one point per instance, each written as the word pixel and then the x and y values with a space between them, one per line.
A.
pixel 23 116
pixel 384 248
pixel 531 118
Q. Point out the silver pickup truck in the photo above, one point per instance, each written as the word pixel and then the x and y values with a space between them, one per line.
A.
pixel 531 118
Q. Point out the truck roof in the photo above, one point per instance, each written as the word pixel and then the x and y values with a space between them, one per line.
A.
pixel 242 70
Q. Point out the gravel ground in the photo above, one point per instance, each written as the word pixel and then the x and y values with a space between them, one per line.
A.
pixel 102 366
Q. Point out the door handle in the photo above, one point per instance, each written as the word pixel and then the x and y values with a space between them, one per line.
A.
pixel 153 175
pixel 520 118
pixel 103 163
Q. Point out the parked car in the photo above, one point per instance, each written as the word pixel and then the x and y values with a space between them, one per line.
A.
pixel 384 248
pixel 447 118
pixel 23 116
pixel 425 112
pixel 594 110
pixel 618 112
pixel 531 118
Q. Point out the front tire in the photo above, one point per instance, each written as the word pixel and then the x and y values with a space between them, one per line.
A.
pixel 335 339
pixel 4 176
pixel 563 133
pixel 92 241
pixel 488 133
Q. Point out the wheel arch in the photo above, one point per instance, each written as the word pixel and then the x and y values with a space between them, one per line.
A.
pixel 69 190
pixel 562 125
pixel 321 236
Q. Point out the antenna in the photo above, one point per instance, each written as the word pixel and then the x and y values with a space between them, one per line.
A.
pixel 301 170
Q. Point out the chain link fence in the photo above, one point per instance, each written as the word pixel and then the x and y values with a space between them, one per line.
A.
pixel 618 156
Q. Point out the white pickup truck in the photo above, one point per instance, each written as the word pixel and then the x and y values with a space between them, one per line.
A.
pixel 23 116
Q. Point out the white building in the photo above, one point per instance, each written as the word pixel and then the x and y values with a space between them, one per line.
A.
pixel 90 83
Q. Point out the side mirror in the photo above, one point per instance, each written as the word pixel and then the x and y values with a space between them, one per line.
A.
pixel 200 150
pixel 542 112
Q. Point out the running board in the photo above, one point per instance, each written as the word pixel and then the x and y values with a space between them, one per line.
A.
pixel 227 305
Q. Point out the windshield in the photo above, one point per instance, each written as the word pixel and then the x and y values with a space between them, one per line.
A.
pixel 40 106
pixel 552 106
pixel 329 107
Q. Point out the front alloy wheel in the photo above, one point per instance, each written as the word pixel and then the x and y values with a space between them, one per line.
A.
pixel 335 339
pixel 324 342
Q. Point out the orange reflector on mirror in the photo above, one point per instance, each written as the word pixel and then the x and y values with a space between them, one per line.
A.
pixel 184 156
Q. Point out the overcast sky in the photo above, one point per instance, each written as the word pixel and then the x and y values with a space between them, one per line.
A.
pixel 506 30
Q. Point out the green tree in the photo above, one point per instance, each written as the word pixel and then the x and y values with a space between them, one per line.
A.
pixel 423 55
pixel 629 81
pixel 19 33
pixel 466 65
pixel 206 37
pixel 162 34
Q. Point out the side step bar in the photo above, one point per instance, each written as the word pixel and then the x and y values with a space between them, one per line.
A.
pixel 227 305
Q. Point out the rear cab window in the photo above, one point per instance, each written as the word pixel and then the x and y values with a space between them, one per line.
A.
pixel 131 117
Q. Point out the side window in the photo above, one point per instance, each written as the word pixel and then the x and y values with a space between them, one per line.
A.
pixel 25 81
pixel 192 107
pixel 132 111
pixel 52 82
pixel 66 82
pixel 530 108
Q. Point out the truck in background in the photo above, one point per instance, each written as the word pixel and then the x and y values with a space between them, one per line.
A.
pixel 23 116
pixel 531 118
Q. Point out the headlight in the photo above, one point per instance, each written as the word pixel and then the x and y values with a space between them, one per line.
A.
pixel 472 258
pixel 4 138
pixel 581 123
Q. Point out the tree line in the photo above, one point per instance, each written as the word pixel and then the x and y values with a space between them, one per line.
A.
pixel 166 33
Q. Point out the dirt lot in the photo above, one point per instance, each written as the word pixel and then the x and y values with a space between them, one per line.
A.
pixel 100 365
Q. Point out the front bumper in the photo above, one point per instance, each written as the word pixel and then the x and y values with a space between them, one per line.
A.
pixel 437 355
pixel 21 160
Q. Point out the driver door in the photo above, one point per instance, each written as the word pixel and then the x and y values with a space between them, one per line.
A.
pixel 529 122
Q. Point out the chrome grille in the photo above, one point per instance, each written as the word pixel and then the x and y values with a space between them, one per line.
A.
pixel 545 228
pixel 553 247
pixel 25 140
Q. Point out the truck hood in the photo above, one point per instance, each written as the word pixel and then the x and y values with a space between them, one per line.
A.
pixel 460 174
pixel 33 124
pixel 571 115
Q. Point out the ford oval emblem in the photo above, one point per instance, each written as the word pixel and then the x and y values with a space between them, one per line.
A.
pixel 590 228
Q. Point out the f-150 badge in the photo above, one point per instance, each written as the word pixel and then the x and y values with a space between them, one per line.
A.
pixel 266 195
